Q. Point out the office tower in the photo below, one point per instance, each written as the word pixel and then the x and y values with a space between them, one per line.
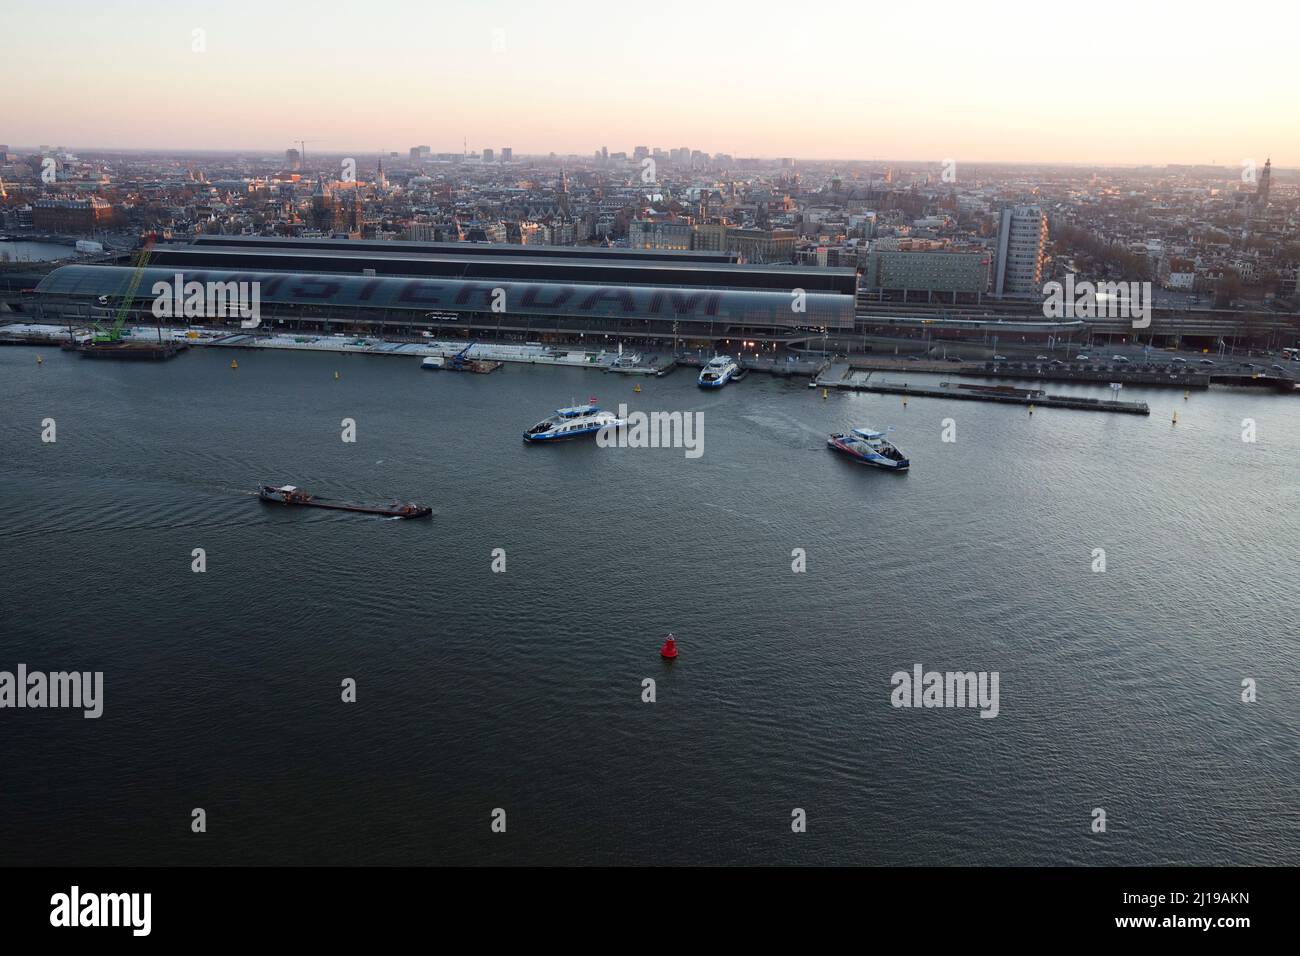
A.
pixel 507 154
pixel 487 155
pixel 1022 249
pixel 293 160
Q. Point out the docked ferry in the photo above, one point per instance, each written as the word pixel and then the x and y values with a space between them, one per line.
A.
pixel 870 447
pixel 573 422
pixel 720 370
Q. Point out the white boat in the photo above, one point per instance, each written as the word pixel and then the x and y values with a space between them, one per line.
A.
pixel 720 370
pixel 573 422
pixel 870 447
pixel 432 363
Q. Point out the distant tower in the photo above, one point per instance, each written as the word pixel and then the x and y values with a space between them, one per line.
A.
pixel 380 180
pixel 1261 190
pixel 564 193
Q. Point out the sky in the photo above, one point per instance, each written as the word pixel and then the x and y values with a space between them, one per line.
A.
pixel 1010 81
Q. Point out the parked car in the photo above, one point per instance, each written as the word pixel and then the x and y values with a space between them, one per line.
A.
pixel 1118 358
pixel 1178 360
pixel 1082 358
pixel 999 358
pixel 1040 358
pixel 1206 362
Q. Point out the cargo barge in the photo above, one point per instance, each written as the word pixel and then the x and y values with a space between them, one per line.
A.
pixel 127 351
pixel 291 495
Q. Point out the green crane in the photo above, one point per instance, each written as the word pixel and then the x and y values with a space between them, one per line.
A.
pixel 114 332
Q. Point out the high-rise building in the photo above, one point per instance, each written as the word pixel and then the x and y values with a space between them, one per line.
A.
pixel 293 160
pixel 487 155
pixel 507 154
pixel 1022 251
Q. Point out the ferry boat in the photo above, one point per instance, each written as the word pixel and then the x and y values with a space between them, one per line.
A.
pixel 870 448
pixel 573 422
pixel 720 370
pixel 292 495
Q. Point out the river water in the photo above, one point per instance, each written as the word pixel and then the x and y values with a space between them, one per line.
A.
pixel 1118 689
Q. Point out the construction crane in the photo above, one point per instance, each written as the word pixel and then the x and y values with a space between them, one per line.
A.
pixel 459 360
pixel 114 333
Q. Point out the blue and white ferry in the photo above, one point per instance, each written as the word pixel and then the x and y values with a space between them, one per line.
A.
pixel 720 370
pixel 870 447
pixel 573 422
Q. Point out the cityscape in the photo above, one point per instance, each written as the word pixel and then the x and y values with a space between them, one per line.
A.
pixel 534 492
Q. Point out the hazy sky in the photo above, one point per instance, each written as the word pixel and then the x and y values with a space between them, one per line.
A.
pixel 1103 81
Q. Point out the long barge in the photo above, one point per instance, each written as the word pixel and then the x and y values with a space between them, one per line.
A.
pixel 1004 394
pixel 127 351
pixel 292 495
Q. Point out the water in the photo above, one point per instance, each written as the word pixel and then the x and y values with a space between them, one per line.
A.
pixel 522 690
pixel 23 251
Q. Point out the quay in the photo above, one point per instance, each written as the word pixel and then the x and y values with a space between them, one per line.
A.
pixel 851 377
pixel 78 338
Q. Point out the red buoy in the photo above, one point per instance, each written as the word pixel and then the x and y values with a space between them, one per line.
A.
pixel 669 650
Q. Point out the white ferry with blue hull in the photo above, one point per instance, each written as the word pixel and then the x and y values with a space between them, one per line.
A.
pixel 573 422
pixel 869 447
pixel 720 370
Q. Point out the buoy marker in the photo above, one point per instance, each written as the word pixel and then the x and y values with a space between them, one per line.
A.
pixel 234 364
pixel 669 651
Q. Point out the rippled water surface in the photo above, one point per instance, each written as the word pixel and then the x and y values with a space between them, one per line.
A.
pixel 522 690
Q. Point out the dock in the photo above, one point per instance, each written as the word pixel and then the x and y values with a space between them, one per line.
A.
pixel 789 366
pixel 853 378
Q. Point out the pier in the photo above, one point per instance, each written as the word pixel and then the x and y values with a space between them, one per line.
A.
pixel 856 379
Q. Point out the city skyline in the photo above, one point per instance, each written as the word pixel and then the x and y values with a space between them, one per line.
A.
pixel 845 85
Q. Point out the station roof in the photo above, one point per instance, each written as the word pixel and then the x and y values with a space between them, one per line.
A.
pixel 328 291
pixel 385 261
pixel 472 249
